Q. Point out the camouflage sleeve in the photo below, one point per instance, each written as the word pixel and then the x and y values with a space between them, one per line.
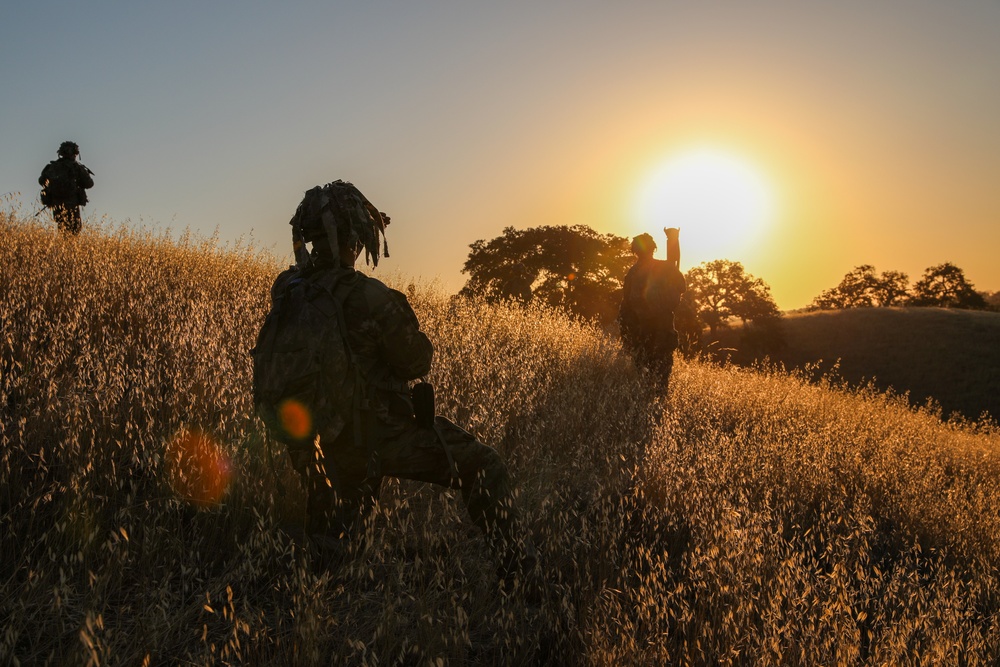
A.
pixel 680 282
pixel 405 349
pixel 44 176
pixel 84 179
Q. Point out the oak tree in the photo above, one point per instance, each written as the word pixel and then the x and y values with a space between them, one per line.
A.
pixel 722 289
pixel 570 267
pixel 863 288
pixel 945 285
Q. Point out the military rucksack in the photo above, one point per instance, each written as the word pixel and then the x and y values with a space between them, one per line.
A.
pixel 62 187
pixel 654 293
pixel 304 379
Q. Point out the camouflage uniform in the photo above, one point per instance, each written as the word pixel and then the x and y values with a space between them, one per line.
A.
pixel 651 291
pixel 389 348
pixel 73 181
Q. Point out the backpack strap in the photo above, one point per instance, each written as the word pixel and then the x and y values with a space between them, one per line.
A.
pixel 363 420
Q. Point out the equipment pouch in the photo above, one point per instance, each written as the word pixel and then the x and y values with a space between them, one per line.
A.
pixel 422 395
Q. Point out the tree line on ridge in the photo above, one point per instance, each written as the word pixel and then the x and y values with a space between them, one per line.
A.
pixel 580 271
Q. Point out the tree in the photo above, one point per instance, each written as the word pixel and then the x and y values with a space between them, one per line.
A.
pixel 863 288
pixel 992 300
pixel 723 289
pixel 893 289
pixel 574 268
pixel 945 285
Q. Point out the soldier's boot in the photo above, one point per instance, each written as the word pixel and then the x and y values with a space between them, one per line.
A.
pixel 327 537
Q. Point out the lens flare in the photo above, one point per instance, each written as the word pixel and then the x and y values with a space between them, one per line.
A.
pixel 198 470
pixel 295 418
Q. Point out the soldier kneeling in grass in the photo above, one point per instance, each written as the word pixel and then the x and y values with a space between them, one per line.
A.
pixel 332 371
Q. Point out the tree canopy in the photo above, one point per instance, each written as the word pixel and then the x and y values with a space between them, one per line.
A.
pixel 571 267
pixel 944 285
pixel 721 289
pixel 863 288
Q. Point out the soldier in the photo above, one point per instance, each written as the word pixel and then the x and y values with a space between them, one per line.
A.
pixel 358 447
pixel 651 292
pixel 64 184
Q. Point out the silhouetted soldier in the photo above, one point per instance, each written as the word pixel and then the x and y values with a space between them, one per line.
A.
pixel 64 184
pixel 374 431
pixel 651 292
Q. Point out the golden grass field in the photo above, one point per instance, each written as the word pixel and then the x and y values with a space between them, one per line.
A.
pixel 750 517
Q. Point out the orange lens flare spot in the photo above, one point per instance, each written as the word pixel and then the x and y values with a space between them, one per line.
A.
pixel 295 419
pixel 197 468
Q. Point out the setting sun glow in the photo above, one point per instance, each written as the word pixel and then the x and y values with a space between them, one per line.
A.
pixel 722 203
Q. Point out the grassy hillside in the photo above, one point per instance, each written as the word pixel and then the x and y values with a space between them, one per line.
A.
pixel 746 518
pixel 952 356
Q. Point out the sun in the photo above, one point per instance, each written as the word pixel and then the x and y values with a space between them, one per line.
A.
pixel 722 203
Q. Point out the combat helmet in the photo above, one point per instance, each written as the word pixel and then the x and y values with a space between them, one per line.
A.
pixel 334 214
pixel 643 244
pixel 68 149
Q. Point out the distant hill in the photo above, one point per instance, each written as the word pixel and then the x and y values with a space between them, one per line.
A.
pixel 948 354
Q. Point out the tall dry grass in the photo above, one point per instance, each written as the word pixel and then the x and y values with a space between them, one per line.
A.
pixel 748 517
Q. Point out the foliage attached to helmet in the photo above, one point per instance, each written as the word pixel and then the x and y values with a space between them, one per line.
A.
pixel 68 149
pixel 337 215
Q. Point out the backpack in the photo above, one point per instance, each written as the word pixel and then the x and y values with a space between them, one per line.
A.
pixel 62 187
pixel 650 296
pixel 666 284
pixel 304 379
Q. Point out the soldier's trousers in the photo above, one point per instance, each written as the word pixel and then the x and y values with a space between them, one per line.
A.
pixel 68 218
pixel 656 352
pixel 339 509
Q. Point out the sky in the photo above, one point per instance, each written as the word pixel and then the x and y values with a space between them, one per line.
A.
pixel 866 132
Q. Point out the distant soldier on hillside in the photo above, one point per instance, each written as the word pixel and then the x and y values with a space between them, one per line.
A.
pixel 651 293
pixel 64 184
pixel 332 372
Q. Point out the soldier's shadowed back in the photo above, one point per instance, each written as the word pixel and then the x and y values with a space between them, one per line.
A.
pixel 332 372
pixel 651 292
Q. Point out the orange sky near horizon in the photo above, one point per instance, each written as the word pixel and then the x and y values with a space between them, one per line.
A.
pixel 848 189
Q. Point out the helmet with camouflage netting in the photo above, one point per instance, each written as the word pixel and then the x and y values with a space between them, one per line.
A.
pixel 336 215
pixel 68 149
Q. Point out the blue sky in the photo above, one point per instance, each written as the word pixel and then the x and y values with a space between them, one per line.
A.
pixel 875 121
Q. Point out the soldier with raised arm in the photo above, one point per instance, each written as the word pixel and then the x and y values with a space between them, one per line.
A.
pixel 651 292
